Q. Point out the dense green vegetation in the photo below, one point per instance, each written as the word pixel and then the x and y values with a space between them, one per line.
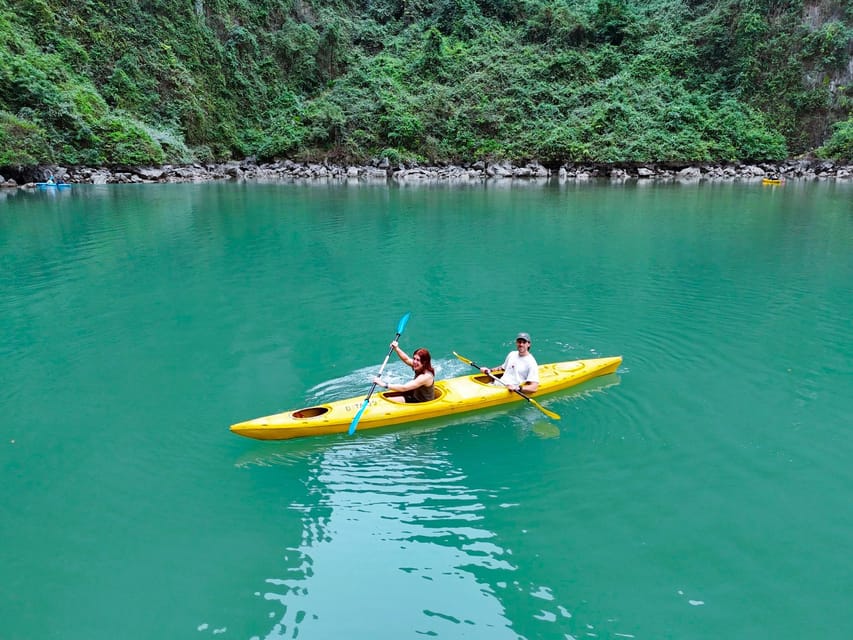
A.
pixel 152 81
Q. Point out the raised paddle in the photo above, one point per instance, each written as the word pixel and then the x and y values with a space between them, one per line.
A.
pixel 400 326
pixel 550 414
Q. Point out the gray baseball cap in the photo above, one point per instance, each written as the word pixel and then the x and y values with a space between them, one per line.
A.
pixel 523 336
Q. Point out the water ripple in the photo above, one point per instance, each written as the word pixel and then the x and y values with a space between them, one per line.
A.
pixel 416 511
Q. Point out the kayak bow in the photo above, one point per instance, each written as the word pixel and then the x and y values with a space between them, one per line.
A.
pixel 452 396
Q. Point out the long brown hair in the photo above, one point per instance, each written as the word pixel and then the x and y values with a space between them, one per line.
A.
pixel 426 359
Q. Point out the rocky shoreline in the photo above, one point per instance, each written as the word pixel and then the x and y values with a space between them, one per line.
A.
pixel 383 170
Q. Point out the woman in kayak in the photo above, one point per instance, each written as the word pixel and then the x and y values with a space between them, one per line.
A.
pixel 422 387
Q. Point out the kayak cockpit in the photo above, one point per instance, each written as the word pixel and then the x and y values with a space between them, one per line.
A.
pixel 310 412
pixel 388 395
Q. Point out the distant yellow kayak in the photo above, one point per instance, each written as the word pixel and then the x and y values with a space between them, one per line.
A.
pixel 452 396
pixel 771 181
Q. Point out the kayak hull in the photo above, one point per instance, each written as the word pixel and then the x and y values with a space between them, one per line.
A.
pixel 453 396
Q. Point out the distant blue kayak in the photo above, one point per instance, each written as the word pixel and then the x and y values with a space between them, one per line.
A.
pixel 49 185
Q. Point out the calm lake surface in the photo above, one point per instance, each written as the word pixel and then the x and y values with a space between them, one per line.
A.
pixel 702 492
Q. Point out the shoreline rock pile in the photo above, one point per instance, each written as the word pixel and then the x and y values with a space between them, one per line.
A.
pixel 383 170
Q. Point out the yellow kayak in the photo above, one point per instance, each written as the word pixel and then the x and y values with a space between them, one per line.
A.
pixel 771 181
pixel 452 396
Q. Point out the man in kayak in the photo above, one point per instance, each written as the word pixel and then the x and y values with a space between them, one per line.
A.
pixel 422 387
pixel 520 369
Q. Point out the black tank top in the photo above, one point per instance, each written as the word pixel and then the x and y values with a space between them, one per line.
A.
pixel 421 394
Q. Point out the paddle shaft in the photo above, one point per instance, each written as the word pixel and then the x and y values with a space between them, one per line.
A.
pixel 381 369
pixel 400 327
pixel 357 417
pixel 548 413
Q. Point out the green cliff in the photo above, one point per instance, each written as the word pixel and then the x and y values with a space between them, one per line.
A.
pixel 120 82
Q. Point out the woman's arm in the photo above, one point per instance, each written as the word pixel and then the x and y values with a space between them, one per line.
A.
pixel 402 354
pixel 423 380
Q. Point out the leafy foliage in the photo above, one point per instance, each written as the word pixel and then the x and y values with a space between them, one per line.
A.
pixel 124 82
pixel 21 142
pixel 840 145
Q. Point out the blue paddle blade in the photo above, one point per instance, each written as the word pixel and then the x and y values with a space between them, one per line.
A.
pixel 403 322
pixel 357 417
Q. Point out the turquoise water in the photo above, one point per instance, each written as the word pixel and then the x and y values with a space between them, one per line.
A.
pixel 701 492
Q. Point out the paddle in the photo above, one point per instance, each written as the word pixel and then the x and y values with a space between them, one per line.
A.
pixel 400 326
pixel 550 414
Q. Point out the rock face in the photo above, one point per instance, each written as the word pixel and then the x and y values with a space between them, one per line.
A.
pixel 383 170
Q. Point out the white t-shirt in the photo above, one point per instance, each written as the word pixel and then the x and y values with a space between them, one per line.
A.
pixel 518 370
